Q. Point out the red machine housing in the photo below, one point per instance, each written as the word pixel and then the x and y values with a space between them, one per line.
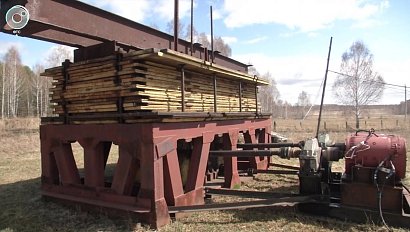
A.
pixel 369 150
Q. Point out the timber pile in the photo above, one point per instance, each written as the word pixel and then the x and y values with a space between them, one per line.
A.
pixel 148 80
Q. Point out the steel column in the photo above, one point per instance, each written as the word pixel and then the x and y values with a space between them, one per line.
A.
pixel 231 163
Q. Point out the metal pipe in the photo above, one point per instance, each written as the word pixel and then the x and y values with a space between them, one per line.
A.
pixel 176 18
pixel 243 153
pixel 267 145
pixel 240 96
pixel 212 37
pixel 278 172
pixel 256 94
pixel 215 100
pixel 324 89
pixel 405 103
pixel 192 26
pixel 183 88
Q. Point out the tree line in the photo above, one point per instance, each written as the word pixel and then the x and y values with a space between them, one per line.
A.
pixel 24 93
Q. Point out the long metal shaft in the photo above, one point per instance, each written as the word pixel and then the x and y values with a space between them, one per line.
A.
pixel 324 89
pixel 192 26
pixel 267 145
pixel 176 19
pixel 243 153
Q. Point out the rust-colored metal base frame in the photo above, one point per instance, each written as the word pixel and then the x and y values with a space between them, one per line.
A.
pixel 147 177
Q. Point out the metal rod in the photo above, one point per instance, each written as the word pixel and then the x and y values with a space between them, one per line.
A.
pixel 240 96
pixel 267 145
pixel 176 18
pixel 256 94
pixel 243 153
pixel 283 201
pixel 215 100
pixel 192 26
pixel 405 102
pixel 278 172
pixel 183 88
pixel 324 89
pixel 247 194
pixel 283 166
pixel 212 36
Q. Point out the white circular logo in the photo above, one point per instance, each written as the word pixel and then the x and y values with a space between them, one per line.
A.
pixel 17 17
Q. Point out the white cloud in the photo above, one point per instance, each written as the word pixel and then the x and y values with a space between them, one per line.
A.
pixel 165 8
pixel 142 9
pixel 293 74
pixel 300 15
pixel 298 73
pixel 229 39
pixel 256 40
pixel 5 46
pixel 130 9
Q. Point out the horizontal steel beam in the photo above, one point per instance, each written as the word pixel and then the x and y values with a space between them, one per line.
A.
pixel 78 24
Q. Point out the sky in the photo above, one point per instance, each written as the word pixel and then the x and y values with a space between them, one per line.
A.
pixel 287 38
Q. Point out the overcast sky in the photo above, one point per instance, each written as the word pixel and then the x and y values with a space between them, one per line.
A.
pixel 287 38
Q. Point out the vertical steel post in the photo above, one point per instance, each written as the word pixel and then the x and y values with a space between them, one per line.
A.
pixel 212 36
pixel 192 26
pixel 183 88
pixel 215 100
pixel 176 25
pixel 405 102
pixel 256 94
pixel 324 89
pixel 240 96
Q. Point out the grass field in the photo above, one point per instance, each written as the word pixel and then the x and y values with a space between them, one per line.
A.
pixel 23 209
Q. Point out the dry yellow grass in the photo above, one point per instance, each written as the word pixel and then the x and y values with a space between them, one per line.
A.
pixel 22 208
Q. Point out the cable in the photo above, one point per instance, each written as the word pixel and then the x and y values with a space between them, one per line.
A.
pixel 380 191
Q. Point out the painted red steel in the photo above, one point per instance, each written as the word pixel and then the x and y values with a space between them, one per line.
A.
pixel 145 148
pixel 369 150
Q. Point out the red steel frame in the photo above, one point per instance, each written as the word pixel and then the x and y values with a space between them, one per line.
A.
pixel 149 148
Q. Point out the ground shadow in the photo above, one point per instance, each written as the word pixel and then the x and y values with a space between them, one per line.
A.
pixel 22 208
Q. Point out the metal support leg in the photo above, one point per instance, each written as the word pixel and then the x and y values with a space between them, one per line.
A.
pixel 93 162
pixel 231 163
pixel 66 164
pixel 126 169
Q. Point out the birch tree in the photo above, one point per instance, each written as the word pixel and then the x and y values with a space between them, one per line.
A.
pixel 56 57
pixel 303 102
pixel 358 85
pixel 12 82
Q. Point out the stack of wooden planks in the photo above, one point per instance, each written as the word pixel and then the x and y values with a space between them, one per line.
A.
pixel 149 80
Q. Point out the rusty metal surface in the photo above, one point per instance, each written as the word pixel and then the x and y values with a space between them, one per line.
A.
pixel 78 24
pixel 145 148
pixel 365 195
pixel 158 117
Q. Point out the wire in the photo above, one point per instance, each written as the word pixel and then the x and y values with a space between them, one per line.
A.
pixel 380 191
pixel 381 82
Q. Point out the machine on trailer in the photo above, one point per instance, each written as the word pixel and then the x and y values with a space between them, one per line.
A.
pixel 176 116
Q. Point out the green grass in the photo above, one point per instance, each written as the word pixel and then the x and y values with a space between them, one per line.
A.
pixel 23 209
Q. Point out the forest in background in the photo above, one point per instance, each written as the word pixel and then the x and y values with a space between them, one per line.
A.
pixel 24 93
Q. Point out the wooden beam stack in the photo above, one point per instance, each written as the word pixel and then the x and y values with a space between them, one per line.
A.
pixel 148 80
